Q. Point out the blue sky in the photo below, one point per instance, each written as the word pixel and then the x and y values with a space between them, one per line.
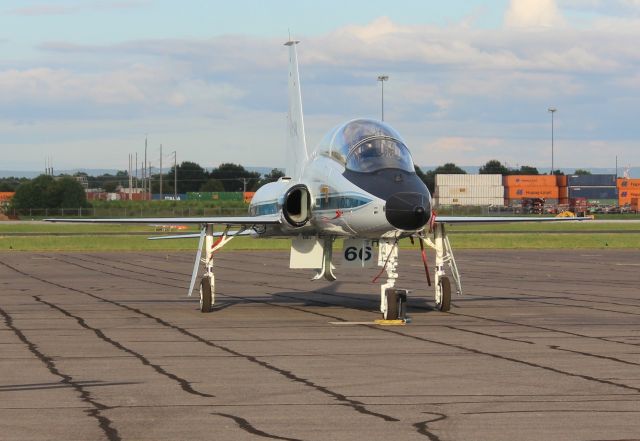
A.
pixel 84 81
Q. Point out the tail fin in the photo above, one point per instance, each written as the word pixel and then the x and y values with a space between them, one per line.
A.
pixel 296 144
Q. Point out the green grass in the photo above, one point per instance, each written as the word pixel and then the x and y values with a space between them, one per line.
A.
pixel 503 236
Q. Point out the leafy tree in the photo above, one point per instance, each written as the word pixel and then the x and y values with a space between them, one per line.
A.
pixel 11 183
pixel 581 172
pixel 191 176
pixel 272 176
pixel 234 177
pixel 47 192
pixel 526 170
pixel 212 185
pixel 558 173
pixel 494 167
pixel 109 186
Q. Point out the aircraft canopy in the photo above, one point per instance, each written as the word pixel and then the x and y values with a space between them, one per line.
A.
pixel 365 145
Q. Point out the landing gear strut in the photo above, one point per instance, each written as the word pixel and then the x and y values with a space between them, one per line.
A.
pixel 393 301
pixel 444 254
pixel 207 283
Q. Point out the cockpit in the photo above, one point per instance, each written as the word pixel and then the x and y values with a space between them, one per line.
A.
pixel 365 146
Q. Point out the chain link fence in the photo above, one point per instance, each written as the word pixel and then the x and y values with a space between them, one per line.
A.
pixel 124 212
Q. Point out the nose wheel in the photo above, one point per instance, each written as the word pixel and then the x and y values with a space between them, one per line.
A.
pixel 396 304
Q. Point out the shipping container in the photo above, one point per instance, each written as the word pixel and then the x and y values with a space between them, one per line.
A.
pixel 248 196
pixel 200 196
pixel 469 180
pixel 530 181
pixel 467 201
pixel 447 191
pixel 593 192
pixel 629 183
pixel 5 196
pixel 561 180
pixel 626 195
pixel 531 192
pixel 591 181
pixel 563 192
pixel 231 196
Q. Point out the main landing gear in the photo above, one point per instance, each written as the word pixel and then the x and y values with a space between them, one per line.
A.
pixel 444 254
pixel 207 282
pixel 393 300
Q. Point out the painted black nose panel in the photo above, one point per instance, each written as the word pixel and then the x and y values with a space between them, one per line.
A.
pixel 408 211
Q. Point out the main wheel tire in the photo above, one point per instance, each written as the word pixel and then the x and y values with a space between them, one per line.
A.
pixel 205 294
pixel 444 303
pixel 392 305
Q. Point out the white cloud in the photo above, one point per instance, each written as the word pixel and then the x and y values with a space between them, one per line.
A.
pixel 533 13
pixel 455 92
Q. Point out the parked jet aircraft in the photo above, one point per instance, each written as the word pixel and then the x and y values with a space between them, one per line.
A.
pixel 358 184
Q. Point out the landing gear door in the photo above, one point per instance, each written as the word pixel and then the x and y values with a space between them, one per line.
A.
pixel 358 253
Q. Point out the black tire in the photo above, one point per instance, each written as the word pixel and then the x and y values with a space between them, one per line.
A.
pixel 392 305
pixel 445 301
pixel 205 294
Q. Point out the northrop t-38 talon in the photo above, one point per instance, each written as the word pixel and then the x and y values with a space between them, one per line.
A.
pixel 358 184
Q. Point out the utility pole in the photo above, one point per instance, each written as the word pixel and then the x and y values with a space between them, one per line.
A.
pixel 160 171
pixel 552 110
pixel 175 175
pixel 382 79
pixel 146 170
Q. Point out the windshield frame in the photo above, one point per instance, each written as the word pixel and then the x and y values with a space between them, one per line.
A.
pixel 400 157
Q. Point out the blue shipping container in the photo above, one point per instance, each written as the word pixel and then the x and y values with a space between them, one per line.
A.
pixel 593 192
pixel 591 181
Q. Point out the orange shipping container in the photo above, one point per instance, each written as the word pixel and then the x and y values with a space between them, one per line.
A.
pixel 529 181
pixel 5 196
pixel 563 192
pixel 629 184
pixel 550 192
pixel 625 196
pixel 248 195
pixel 562 180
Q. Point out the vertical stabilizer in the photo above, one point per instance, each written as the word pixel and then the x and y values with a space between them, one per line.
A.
pixel 296 144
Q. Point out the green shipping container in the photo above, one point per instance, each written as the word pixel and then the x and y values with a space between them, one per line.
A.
pixel 199 196
pixel 231 196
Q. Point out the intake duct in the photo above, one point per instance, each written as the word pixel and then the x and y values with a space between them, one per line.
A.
pixel 297 205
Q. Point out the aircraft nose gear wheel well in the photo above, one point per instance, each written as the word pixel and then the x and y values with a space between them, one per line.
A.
pixel 207 283
pixel 444 254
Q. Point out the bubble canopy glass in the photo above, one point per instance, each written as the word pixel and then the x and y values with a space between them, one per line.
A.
pixel 365 145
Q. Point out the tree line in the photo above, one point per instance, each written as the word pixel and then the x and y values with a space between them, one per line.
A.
pixel 66 192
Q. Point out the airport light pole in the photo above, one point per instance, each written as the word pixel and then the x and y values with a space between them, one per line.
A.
pixel 552 110
pixel 382 79
pixel 175 175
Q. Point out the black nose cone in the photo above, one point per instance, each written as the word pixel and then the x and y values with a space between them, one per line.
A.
pixel 408 211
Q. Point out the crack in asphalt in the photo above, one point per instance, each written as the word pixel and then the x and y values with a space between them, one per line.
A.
pixel 355 405
pixel 249 428
pixel 422 426
pixel 104 423
pixel 184 384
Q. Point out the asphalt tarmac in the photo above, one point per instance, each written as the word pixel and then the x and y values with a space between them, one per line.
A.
pixel 543 345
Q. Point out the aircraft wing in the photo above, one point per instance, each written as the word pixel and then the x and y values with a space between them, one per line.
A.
pixel 270 219
pixel 197 235
pixel 498 219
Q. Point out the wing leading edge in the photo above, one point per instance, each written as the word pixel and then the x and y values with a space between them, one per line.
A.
pixel 499 219
pixel 232 220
